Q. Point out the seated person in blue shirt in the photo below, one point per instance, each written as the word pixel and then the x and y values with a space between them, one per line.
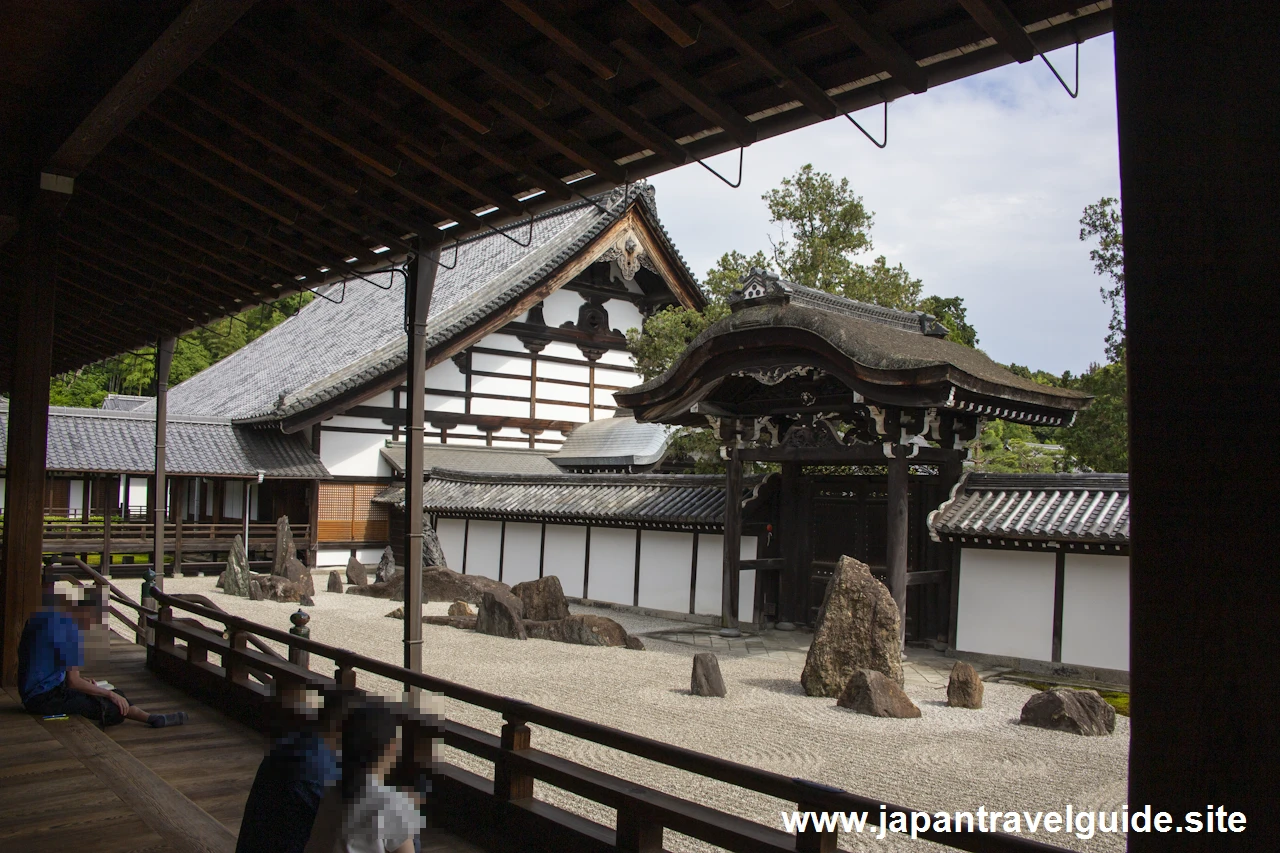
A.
pixel 292 780
pixel 50 655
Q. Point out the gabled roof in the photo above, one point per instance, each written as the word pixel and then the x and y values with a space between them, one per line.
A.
pixel 476 460
pixel 617 442
pixel 1076 508
pixel 124 442
pixel 123 402
pixel 354 334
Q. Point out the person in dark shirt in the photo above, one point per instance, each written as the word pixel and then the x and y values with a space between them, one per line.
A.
pixel 50 655
pixel 292 780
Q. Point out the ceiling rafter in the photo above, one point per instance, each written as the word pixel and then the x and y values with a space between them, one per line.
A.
pixel 549 18
pixel 873 40
pixel 565 141
pixel 997 20
pixel 625 119
pixel 672 18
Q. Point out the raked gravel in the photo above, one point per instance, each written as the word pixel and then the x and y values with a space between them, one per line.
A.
pixel 948 760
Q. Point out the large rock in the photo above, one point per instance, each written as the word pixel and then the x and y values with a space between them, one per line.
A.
pixel 255 591
pixel 297 571
pixel 1081 712
pixel 582 629
pixel 466 622
pixel 441 584
pixel 964 688
pixel 543 599
pixel 707 680
pixel 461 608
pixel 357 574
pixel 285 547
pixel 432 553
pixel 386 566
pixel 376 590
pixel 235 580
pixel 498 617
pixel 335 582
pixel 276 588
pixel 875 694
pixel 857 629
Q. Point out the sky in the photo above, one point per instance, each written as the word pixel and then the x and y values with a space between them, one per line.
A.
pixel 979 194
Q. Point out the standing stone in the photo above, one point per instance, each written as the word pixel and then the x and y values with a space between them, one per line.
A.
pixel 357 574
pixel 964 688
pixel 857 629
pixel 1081 712
pixel 335 582
pixel 460 608
pixel 255 591
pixel 386 566
pixel 285 548
pixel 298 573
pixel 496 616
pixel 543 599
pixel 876 695
pixel 707 680
pixel 235 580
pixel 432 553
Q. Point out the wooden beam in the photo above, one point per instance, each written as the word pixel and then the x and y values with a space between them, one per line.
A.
pixel 164 360
pixel 896 542
pixel 478 49
pixel 511 160
pixel 625 119
pixel 998 22
pixel 664 69
pixel 748 41
pixel 482 190
pixel 670 17
pixel 548 18
pixel 195 29
pixel 565 141
pixel 730 576
pixel 875 41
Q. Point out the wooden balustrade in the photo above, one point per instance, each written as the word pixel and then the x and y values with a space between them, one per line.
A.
pixel 643 812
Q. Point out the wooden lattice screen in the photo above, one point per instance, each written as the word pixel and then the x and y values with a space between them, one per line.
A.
pixel 347 513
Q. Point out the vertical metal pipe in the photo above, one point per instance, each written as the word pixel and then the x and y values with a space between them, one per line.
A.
pixel 896 545
pixel 732 544
pixel 164 359
pixel 419 285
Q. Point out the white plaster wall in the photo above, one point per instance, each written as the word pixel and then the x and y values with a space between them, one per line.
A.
pixel 502 408
pixel 382 398
pixel 1095 611
pixel 556 391
pixel 75 498
pixel 452 533
pixel 512 364
pixel 498 340
pixel 552 412
pixel 561 307
pixel 623 315
pixel 1006 603
pixel 613 565
pixel 440 403
pixel 2 491
pixel 369 556
pixel 354 454
pixel 483 543
pixel 565 556
pixel 521 552
pixel 446 376
pixel 138 492
pixel 747 595
pixel 666 559
pixel 560 370
pixel 711 572
pixel 233 499
pixel 333 559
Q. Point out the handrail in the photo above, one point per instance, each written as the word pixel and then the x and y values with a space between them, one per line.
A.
pixel 811 796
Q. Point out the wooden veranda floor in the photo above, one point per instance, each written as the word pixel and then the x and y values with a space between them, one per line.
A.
pixel 66 785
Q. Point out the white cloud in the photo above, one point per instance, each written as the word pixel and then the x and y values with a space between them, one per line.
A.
pixel 979 193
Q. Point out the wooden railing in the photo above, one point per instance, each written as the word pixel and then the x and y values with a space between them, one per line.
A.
pixel 132 531
pixel 508 803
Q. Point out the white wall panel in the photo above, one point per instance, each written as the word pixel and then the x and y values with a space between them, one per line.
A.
pixel 1095 611
pixel 354 454
pixel 1006 603
pixel 2 490
pixel 512 364
pixel 559 370
pixel 504 408
pixel 666 560
pixel 138 491
pixel 560 349
pixel 446 376
pixel 452 532
pixel 505 387
pixel 620 378
pixel 623 315
pixel 497 340
pixel 565 556
pixel 552 412
pixel 382 398
pixel 613 565
pixel 75 498
pixel 568 393
pixel 233 499
pixel 520 556
pixel 561 307
pixel 747 596
pixel 483 542
pixel 617 357
pixel 440 403
pixel 369 556
pixel 706 598
pixel 333 559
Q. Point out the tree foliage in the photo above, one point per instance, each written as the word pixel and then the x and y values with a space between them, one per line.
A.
pixel 1099 438
pixel 135 372
pixel 1101 220
pixel 951 312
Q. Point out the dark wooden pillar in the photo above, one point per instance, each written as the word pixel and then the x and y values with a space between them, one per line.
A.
pixel 793 516
pixel 732 544
pixel 313 506
pixel 32 360
pixel 1197 107
pixel 178 509
pixel 896 535
pixel 419 285
pixel 159 502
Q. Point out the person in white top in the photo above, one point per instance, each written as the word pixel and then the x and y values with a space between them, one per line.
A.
pixel 361 814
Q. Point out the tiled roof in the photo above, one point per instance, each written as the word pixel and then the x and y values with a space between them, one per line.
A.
pixel 124 402
pixel 123 442
pixel 675 500
pixel 618 442
pixel 475 460
pixel 328 348
pixel 1084 508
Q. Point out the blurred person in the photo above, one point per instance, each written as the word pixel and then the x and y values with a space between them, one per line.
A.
pixel 50 654
pixel 362 814
pixel 292 780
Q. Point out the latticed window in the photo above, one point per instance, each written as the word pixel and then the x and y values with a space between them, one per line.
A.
pixel 347 513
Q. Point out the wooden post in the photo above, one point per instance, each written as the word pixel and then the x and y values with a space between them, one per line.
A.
pixel 105 568
pixel 896 538
pixel 420 283
pixel 300 657
pixel 732 544
pixel 31 359
pixel 179 509
pixel 164 358
pixel 508 784
pixel 244 513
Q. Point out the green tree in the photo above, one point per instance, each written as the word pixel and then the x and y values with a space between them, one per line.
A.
pixel 1010 448
pixel 1102 220
pixel 950 311
pixel 1099 438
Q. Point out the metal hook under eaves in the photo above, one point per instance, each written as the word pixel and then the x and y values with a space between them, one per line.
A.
pixel 1059 76
pixel 722 177
pixel 524 245
pixel 854 122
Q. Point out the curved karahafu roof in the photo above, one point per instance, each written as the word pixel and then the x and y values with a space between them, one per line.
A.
pixel 779 331
pixel 613 443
